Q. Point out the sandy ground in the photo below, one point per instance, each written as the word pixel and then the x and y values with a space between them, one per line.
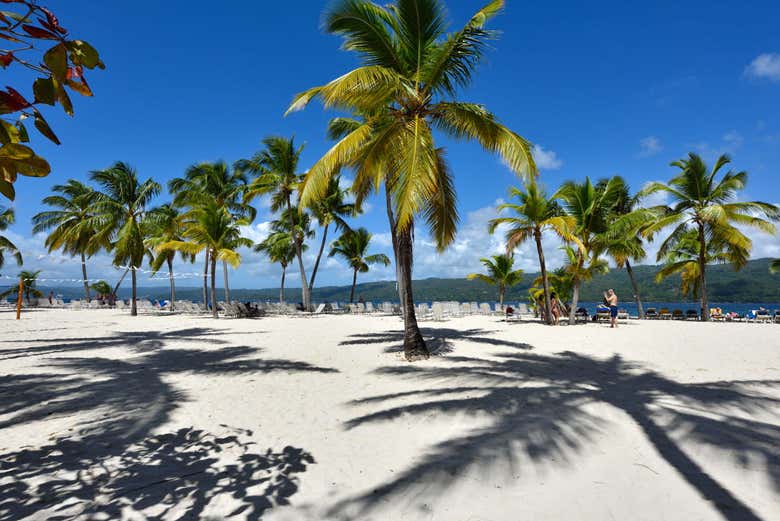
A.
pixel 103 416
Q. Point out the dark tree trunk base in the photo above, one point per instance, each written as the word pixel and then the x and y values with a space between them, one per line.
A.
pixel 415 349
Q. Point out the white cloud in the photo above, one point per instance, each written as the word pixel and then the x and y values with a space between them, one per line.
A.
pixel 650 146
pixel 733 139
pixel 764 66
pixel 257 232
pixel 546 159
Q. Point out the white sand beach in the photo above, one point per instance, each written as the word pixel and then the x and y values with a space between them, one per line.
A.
pixel 105 416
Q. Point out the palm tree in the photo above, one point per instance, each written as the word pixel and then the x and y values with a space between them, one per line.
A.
pixel 331 209
pixel 411 71
pixel 6 246
pixel 708 206
pixel 69 224
pixel 30 279
pixel 276 168
pixel 279 248
pixel 212 229
pixel 120 214
pixel 204 183
pixel 352 246
pixel 165 223
pixel 591 207
pixel 623 243
pixel 774 266
pixel 101 287
pixel 535 214
pixel 683 258
pixel 499 273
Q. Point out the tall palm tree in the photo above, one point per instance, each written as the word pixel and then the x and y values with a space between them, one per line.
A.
pixel 683 258
pixel 164 224
pixel 69 224
pixel 622 241
pixel 708 206
pixel 120 213
pixel 6 246
pixel 774 266
pixel 101 287
pixel 330 210
pixel 352 246
pixel 411 71
pixel 279 248
pixel 276 171
pixel 500 273
pixel 204 183
pixel 591 207
pixel 534 214
pixel 214 229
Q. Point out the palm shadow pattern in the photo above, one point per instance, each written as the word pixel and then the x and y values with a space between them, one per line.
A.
pixel 440 339
pixel 536 406
pixel 109 452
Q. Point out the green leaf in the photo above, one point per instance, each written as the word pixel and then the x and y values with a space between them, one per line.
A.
pixel 23 136
pixel 43 128
pixel 63 97
pixel 8 133
pixel 43 89
pixel 82 53
pixel 15 151
pixel 56 60
pixel 7 189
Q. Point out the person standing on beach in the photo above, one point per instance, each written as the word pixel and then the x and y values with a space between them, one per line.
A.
pixel 611 298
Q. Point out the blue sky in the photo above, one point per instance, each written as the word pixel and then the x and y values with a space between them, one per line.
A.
pixel 603 89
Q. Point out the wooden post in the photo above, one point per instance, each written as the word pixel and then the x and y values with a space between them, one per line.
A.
pixel 19 299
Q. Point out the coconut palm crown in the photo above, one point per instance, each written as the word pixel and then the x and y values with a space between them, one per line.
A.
pixel 707 205
pixel 500 273
pixel 405 88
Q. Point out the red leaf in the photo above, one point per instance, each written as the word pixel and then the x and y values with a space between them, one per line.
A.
pixel 53 20
pixel 17 98
pixel 74 73
pixel 37 32
pixel 6 59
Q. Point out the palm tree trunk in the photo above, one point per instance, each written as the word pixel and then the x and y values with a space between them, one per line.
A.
pixel 84 276
pixel 281 288
pixel 545 281
pixel 575 297
pixel 414 345
pixel 354 282
pixel 227 286
pixel 639 309
pixel 501 290
pixel 299 254
pixel 705 306
pixel 214 310
pixel 206 280
pixel 133 304
pixel 121 279
pixel 319 256
pixel 394 238
pixel 173 284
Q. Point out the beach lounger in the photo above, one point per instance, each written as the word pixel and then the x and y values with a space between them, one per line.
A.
pixel 623 315
pixel 678 314
pixel 762 315
pixel 651 314
pixel 522 309
pixel 602 313
pixel 691 314
pixel 664 314
pixel 484 309
pixel 581 315
pixel 776 316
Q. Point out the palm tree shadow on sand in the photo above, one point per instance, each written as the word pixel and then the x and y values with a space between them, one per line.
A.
pixel 440 339
pixel 536 403
pixel 109 460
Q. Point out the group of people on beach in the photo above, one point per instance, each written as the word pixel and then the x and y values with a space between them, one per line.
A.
pixel 558 308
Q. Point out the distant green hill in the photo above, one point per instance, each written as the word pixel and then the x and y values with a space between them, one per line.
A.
pixel 753 283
